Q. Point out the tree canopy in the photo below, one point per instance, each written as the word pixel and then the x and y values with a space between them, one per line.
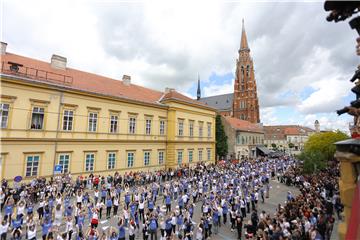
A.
pixel 221 138
pixel 324 143
pixel 319 149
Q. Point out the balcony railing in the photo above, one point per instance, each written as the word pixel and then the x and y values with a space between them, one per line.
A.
pixel 16 69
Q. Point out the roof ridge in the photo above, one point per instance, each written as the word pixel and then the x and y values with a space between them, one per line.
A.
pixel 217 95
pixel 81 71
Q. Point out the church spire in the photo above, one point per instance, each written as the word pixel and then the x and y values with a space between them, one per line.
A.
pixel 198 94
pixel 243 44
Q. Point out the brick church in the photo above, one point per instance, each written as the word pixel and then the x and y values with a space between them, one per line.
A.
pixel 243 103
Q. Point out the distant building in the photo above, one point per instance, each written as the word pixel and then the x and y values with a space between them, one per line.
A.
pixel 244 137
pixel 243 103
pixel 281 137
pixel 317 126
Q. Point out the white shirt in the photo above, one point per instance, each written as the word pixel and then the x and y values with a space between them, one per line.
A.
pixel 79 198
pixel 199 234
pixel 31 234
pixel 173 220
pixel 131 230
pixel 4 228
pixel 69 226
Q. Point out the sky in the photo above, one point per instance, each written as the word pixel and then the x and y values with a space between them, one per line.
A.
pixel 302 62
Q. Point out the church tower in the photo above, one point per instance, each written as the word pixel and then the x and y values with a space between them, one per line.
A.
pixel 245 100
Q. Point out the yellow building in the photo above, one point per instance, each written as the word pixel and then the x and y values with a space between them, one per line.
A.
pixel 54 115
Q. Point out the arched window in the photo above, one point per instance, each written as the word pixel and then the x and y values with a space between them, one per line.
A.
pixel 247 70
pixel 242 73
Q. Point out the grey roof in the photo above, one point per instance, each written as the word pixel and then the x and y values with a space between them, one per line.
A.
pixel 263 149
pixel 220 102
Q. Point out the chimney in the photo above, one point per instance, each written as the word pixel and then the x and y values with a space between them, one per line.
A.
pixel 168 90
pixel 58 62
pixel 126 80
pixel 3 46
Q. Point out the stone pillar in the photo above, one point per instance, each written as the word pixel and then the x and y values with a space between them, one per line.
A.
pixel 348 153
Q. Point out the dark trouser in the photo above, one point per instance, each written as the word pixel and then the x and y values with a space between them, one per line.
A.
pixel 69 234
pixel 243 212
pixel 173 228
pixel 248 207
pixel 224 218
pixel 115 210
pixel 132 237
pixel 108 212
pixel 141 215
pixel 3 236
pixel 168 208
pixel 168 232
pixel 40 212
pixel 232 223
pixel 153 234
pixel 239 232
pixel 100 213
pixel 162 232
pixel 206 233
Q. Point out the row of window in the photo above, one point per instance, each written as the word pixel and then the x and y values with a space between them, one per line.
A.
pixel 32 161
pixel 249 140
pixel 38 113
pixel 180 155
pixel 191 128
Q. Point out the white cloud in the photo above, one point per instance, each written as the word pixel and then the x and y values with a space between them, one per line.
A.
pixel 268 116
pixel 214 89
pixel 166 44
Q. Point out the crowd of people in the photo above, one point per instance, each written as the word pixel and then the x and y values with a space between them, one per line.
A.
pixel 186 203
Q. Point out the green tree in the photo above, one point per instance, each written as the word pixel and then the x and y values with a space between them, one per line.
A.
pixel 319 149
pixel 324 143
pixel 273 145
pixel 313 161
pixel 291 145
pixel 221 138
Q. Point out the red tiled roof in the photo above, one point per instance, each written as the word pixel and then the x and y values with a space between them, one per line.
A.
pixel 173 94
pixel 293 131
pixel 281 131
pixel 90 82
pixel 243 125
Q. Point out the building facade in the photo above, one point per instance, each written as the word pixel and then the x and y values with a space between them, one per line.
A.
pixel 287 138
pixel 52 116
pixel 243 137
pixel 243 103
